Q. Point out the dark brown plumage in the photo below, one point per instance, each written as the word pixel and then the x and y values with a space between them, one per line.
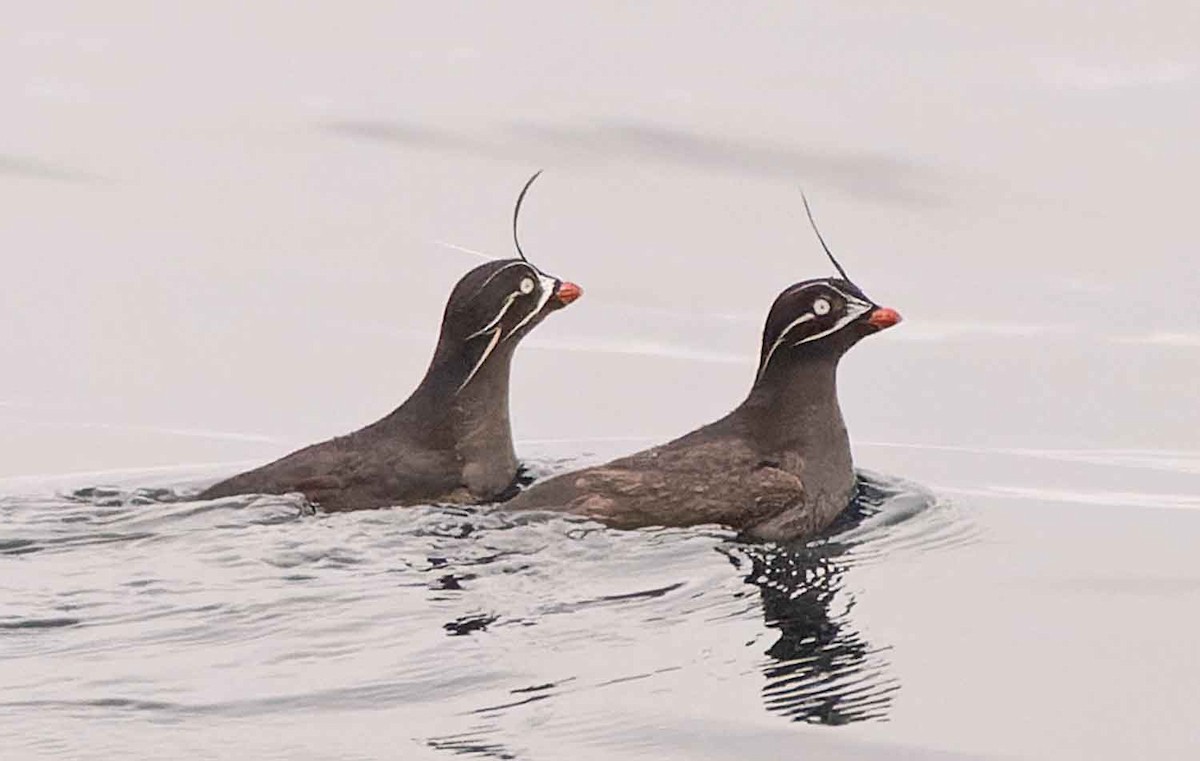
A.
pixel 450 441
pixel 777 467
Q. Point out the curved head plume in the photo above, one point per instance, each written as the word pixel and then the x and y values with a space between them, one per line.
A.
pixel 517 214
pixel 812 222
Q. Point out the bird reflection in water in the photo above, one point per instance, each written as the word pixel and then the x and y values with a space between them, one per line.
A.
pixel 821 670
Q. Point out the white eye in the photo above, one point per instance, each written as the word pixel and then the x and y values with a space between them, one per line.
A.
pixel 527 285
pixel 821 306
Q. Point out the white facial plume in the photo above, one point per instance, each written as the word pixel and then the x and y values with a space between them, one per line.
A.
pixel 853 307
pixel 523 298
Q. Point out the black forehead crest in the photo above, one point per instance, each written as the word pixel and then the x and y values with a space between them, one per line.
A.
pixel 844 287
pixel 477 280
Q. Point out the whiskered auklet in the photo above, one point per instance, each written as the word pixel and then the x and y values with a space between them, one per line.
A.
pixel 451 440
pixel 778 467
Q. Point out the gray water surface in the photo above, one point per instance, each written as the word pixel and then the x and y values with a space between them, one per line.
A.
pixel 131 614
pixel 1001 620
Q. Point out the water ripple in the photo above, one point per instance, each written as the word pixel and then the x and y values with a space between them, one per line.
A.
pixel 133 601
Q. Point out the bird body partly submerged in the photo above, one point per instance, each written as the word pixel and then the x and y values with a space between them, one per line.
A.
pixel 777 467
pixel 451 440
pixel 434 447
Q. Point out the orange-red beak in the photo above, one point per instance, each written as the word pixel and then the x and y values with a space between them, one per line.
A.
pixel 568 292
pixel 883 317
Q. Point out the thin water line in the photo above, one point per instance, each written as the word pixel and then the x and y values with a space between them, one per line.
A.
pixel 1136 500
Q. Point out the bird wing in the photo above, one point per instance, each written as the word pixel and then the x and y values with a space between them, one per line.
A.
pixel 339 476
pixel 717 481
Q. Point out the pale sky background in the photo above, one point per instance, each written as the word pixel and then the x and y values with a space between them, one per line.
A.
pixel 221 220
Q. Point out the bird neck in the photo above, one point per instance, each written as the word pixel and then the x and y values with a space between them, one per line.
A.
pixel 793 406
pixel 454 410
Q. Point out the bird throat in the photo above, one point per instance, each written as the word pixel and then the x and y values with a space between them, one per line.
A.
pixel 794 407
pixel 479 418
